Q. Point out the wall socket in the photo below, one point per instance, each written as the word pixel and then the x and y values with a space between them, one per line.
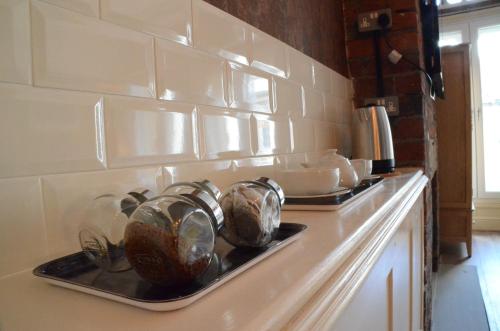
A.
pixel 369 21
pixel 391 104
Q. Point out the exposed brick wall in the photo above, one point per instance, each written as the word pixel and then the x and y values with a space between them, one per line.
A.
pixel 414 129
pixel 314 27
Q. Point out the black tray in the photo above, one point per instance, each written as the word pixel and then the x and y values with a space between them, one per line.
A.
pixel 77 272
pixel 335 199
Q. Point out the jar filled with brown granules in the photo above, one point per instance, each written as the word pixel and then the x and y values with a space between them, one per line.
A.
pixel 169 240
pixel 251 214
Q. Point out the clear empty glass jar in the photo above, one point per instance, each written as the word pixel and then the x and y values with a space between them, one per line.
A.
pixel 169 240
pixel 251 214
pixel 102 229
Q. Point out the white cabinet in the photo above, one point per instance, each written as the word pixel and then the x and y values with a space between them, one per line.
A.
pixel 390 297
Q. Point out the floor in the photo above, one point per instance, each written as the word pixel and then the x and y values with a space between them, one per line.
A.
pixel 486 257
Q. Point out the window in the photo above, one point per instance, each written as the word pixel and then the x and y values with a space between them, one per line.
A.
pixel 455 3
pixel 450 38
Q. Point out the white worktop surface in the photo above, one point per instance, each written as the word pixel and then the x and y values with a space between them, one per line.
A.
pixel 266 296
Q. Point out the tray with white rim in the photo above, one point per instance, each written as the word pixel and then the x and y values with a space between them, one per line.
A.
pixel 334 200
pixel 78 273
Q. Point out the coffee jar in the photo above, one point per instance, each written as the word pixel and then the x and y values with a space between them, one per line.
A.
pixel 169 240
pixel 203 193
pixel 251 213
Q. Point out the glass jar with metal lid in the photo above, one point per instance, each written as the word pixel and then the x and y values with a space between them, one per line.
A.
pixel 251 212
pixel 102 228
pixel 169 240
pixel 205 194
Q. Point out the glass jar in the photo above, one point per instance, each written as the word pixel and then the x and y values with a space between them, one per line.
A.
pixel 204 194
pixel 169 240
pixel 102 229
pixel 251 214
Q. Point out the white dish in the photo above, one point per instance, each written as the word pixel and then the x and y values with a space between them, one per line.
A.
pixel 310 181
pixel 348 176
pixel 363 168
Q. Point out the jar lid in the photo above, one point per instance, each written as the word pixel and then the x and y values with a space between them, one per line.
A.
pixel 210 187
pixel 199 194
pixel 274 186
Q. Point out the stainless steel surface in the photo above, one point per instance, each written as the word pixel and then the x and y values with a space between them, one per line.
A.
pixel 371 134
pixel 275 187
pixel 201 195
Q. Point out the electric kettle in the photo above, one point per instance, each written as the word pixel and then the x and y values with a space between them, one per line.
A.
pixel 372 138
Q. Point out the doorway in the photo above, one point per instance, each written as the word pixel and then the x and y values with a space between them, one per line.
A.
pixel 482 31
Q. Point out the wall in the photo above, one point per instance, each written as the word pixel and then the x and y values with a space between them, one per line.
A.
pixel 314 27
pixel 110 95
pixel 414 129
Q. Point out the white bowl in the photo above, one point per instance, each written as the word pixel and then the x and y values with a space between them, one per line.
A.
pixel 363 167
pixel 310 181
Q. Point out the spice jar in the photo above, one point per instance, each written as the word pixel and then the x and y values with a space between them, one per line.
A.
pixel 169 240
pixel 204 194
pixel 101 232
pixel 251 214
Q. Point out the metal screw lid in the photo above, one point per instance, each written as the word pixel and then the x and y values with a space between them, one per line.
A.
pixel 210 187
pixel 199 195
pixel 274 186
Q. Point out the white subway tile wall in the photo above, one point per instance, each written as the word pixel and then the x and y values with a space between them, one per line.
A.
pixel 166 19
pixel 165 90
pixel 15 61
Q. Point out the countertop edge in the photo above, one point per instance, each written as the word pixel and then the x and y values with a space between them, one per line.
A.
pixel 325 306
pixel 309 303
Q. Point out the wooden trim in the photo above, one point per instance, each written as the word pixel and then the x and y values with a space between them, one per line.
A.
pixel 332 298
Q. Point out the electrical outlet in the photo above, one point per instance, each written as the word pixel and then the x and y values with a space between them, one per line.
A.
pixel 369 21
pixel 391 104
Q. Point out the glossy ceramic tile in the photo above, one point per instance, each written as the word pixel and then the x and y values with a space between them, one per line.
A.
pixel 332 107
pixel 346 108
pixel 303 135
pixel 142 131
pixel 23 240
pixel 77 52
pixel 288 97
pixel 67 196
pixel 313 104
pixel 300 67
pixel 343 138
pixel 49 131
pixel 339 85
pixel 249 89
pixel 219 172
pixel 271 134
pixel 185 74
pixel 269 54
pixel 15 61
pixel 218 33
pixel 325 135
pixel 166 19
pixel 253 168
pixel 322 76
pixel 224 134
pixel 86 7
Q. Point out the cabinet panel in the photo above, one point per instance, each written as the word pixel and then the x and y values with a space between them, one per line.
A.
pixel 390 298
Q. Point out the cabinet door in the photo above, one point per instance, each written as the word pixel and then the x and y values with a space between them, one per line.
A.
pixel 372 307
pixel 390 298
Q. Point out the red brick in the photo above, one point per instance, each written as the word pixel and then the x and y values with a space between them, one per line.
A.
pixel 409 152
pixel 409 84
pixel 408 128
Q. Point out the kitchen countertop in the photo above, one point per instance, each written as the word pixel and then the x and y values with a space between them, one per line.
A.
pixel 265 297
